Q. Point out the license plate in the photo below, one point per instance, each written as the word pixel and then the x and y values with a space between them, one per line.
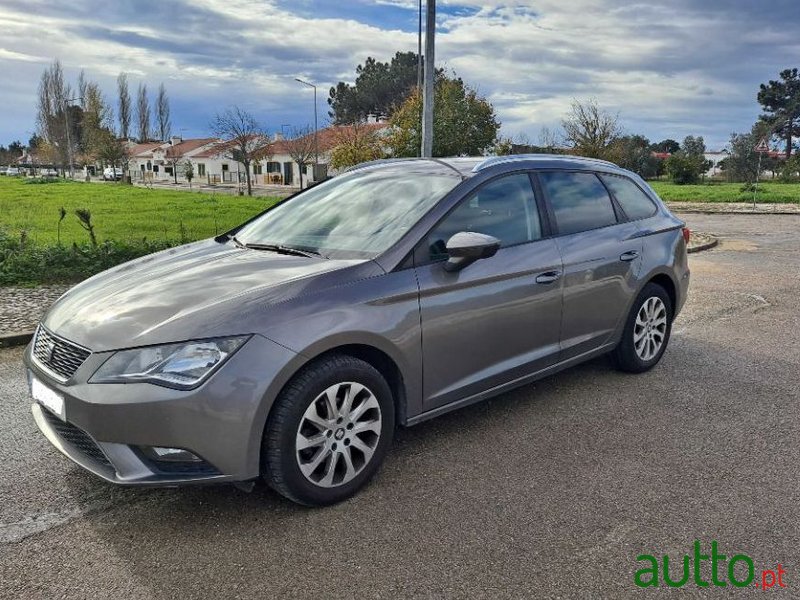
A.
pixel 51 400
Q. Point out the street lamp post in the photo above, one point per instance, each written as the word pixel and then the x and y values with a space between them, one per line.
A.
pixel 66 128
pixel 316 147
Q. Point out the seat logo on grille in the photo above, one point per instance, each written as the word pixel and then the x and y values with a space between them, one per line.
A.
pixel 51 350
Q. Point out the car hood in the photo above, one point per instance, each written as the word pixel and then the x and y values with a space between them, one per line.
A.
pixel 205 289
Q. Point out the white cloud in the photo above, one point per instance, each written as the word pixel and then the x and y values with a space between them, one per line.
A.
pixel 670 67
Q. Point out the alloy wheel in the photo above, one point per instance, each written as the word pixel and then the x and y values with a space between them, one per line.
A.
pixel 650 329
pixel 338 434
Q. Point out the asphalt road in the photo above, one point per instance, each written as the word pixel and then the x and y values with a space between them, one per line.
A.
pixel 550 491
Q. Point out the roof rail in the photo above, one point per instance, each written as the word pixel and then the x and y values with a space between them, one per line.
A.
pixel 497 160
pixel 372 163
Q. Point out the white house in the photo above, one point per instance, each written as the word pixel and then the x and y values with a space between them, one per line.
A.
pixel 212 164
pixel 158 161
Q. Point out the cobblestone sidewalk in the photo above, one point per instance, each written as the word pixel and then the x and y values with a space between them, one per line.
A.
pixel 21 308
pixel 735 207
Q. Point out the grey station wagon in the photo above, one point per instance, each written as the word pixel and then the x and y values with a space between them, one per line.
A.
pixel 291 347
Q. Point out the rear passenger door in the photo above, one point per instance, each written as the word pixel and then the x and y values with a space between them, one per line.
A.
pixel 601 254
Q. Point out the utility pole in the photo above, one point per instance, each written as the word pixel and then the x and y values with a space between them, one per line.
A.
pixel 419 50
pixel 316 147
pixel 430 70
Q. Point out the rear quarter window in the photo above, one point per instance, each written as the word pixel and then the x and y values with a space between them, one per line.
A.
pixel 635 203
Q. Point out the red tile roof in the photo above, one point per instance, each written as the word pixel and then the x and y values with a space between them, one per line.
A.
pixel 144 150
pixel 214 150
pixel 187 146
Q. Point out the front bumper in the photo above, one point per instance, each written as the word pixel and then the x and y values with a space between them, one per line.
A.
pixel 221 421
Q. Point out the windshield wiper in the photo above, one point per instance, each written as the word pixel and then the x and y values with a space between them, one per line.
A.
pixel 280 249
pixel 236 241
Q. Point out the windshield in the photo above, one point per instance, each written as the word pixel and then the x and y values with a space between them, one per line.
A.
pixel 356 215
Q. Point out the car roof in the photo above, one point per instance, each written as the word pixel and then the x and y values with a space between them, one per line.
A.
pixel 469 166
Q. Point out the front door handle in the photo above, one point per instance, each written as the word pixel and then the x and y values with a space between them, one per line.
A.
pixel 548 277
pixel 629 256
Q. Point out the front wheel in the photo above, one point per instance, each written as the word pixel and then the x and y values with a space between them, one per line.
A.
pixel 328 432
pixel 647 331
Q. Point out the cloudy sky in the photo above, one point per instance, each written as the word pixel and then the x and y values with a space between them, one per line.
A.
pixel 670 68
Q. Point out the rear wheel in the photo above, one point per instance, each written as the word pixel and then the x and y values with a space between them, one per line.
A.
pixel 329 431
pixel 647 331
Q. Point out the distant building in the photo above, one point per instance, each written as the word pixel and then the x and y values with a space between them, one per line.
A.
pixel 156 161
pixel 212 163
pixel 715 158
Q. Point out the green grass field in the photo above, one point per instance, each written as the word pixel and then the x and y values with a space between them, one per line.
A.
pixel 119 212
pixel 125 213
pixel 727 192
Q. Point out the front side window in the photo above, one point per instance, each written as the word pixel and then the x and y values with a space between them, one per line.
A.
pixel 579 200
pixel 635 203
pixel 355 215
pixel 504 208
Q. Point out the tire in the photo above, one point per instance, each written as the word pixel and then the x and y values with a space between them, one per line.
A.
pixel 649 322
pixel 341 454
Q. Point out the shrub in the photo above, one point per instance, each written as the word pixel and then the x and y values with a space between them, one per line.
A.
pixel 43 180
pixel 684 169
pixel 790 170
pixel 23 263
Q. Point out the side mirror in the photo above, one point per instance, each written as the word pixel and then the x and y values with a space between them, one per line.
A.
pixel 466 247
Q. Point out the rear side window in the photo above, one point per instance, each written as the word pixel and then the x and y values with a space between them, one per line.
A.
pixel 635 203
pixel 579 200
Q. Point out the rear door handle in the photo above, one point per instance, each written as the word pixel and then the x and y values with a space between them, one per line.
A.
pixel 548 277
pixel 629 256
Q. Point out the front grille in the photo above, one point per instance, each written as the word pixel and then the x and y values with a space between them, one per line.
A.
pixel 77 438
pixel 57 354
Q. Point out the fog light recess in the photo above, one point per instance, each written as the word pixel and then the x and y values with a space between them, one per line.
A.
pixel 162 454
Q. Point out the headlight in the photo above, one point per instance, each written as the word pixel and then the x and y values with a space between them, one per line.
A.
pixel 181 366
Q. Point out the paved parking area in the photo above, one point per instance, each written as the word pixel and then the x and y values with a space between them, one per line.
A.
pixel 550 491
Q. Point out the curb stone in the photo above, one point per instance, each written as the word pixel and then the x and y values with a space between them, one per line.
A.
pixel 709 242
pixel 734 208
pixel 20 338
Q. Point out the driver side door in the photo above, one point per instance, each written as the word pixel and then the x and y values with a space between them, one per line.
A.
pixel 499 318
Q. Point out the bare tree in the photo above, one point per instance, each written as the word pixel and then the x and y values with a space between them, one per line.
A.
pixel 51 114
pixel 82 83
pixel 548 139
pixel 174 157
pixel 162 114
pixel 143 113
pixel 300 147
pixel 123 106
pixel 590 129
pixel 246 140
